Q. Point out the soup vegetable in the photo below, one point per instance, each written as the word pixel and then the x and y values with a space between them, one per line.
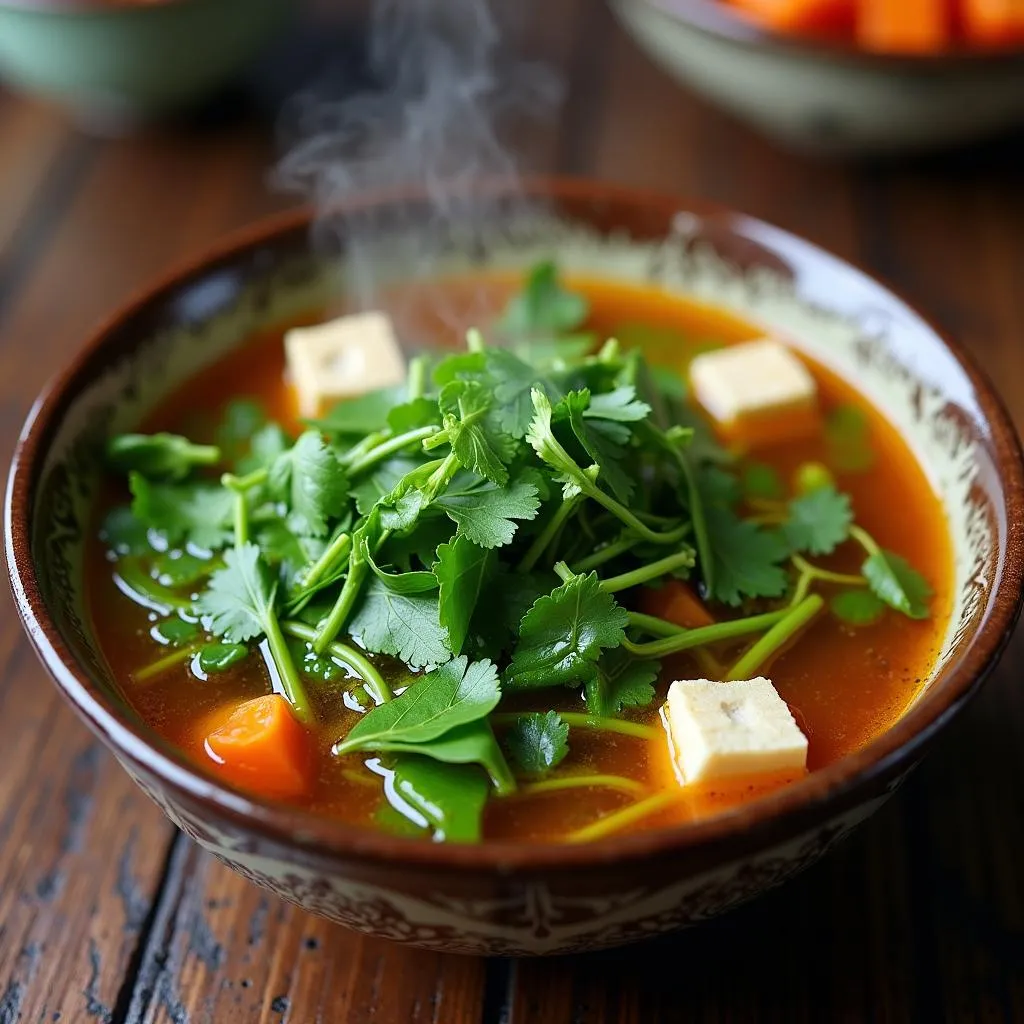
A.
pixel 895 26
pixel 453 606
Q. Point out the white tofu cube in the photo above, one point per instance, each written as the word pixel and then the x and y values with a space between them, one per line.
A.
pixel 342 358
pixel 756 381
pixel 725 730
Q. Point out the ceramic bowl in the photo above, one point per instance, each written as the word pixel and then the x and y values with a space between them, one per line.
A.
pixel 828 98
pixel 115 63
pixel 506 898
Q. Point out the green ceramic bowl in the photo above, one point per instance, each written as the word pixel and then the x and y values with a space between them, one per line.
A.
pixel 115 63
pixel 828 98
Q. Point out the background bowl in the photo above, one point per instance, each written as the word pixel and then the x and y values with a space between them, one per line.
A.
pixel 115 62
pixel 828 98
pixel 505 898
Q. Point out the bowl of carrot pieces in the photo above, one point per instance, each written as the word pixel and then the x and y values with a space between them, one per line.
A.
pixel 850 77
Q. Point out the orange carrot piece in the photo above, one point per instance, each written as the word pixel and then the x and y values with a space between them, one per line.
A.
pixel 260 746
pixel 904 26
pixel 676 602
pixel 993 22
pixel 802 17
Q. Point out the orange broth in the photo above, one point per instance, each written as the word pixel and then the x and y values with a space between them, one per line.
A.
pixel 844 685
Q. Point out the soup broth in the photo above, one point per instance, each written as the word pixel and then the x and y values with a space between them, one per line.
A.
pixel 844 682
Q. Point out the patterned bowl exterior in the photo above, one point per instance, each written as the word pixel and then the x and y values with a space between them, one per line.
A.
pixel 506 898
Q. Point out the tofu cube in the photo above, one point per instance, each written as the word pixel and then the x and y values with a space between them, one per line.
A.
pixel 342 358
pixel 725 730
pixel 757 391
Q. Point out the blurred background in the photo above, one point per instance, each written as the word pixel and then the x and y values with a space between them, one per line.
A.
pixel 133 134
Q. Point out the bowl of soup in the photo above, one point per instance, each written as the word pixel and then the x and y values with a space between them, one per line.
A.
pixel 541 578
pixel 844 77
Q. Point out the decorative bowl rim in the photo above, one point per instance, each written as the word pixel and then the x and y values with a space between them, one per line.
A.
pixel 714 18
pixel 768 816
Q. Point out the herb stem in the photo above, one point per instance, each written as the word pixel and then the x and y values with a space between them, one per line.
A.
pixel 544 538
pixel 607 553
pixel 357 451
pixel 705 635
pixel 290 681
pixel 618 782
pixel 654 626
pixel 612 823
pixel 864 539
pixel 333 553
pixel 827 576
pixel 581 720
pixel 776 638
pixel 144 590
pixel 475 340
pixel 168 661
pixel 349 656
pixel 387 448
pixel 339 613
pixel 652 571
pixel 416 381
pixel 617 509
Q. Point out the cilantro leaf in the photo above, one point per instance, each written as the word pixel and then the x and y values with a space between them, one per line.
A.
pixel 761 482
pixel 159 456
pixel 819 521
pixel 199 513
pixel 450 798
pixel 381 480
pixel 462 570
pixel 603 441
pixel 538 742
pixel 457 693
pixel 179 568
pixel 174 631
pixel 621 681
pixel 406 626
pixel 291 551
pixel 562 635
pixel 747 559
pixel 471 428
pixel 411 415
pixel 364 414
pixel 242 418
pixel 268 443
pixel 240 598
pixel 543 306
pixel 511 380
pixel 484 512
pixel 860 607
pixel 124 533
pixel 619 406
pixel 898 584
pixel 311 480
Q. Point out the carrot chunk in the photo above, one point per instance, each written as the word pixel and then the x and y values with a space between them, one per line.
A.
pixel 676 602
pixel 993 22
pixel 259 745
pixel 904 26
pixel 806 17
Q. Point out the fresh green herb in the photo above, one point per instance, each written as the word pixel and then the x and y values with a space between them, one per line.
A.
pixel 897 583
pixel 748 559
pixel 857 607
pixel 159 456
pixel 124 533
pixel 449 798
pixel 213 658
pixel 199 514
pixel 538 742
pixel 174 632
pixel 485 513
pixel 761 482
pixel 622 681
pixel 310 479
pixel 179 568
pixel 462 570
pixel 544 307
pixel 356 417
pixel 819 521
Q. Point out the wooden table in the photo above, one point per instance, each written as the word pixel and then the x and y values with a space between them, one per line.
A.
pixel 108 915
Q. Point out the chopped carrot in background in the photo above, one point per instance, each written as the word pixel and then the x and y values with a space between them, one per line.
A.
pixel 259 746
pixel 904 26
pixel 993 22
pixel 676 602
pixel 813 17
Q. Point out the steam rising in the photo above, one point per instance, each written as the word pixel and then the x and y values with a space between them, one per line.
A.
pixel 445 84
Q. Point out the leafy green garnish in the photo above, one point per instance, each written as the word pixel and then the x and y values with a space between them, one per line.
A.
pixel 898 584
pixel 860 607
pixel 174 632
pixel 450 798
pixel 748 559
pixel 762 482
pixel 213 658
pixel 544 307
pixel 538 742
pixel 406 626
pixel 622 681
pixel 363 415
pixel 199 514
pixel 124 533
pixel 462 570
pixel 561 637
pixel 159 456
pixel 485 513
pixel 309 477
pixel 819 521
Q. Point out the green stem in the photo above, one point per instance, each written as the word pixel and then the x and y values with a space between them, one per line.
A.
pixel 416 379
pixel 389 447
pixel 623 514
pixel 357 451
pixel 652 571
pixel 441 477
pixel 147 591
pixel 290 680
pixel 865 540
pixel 776 637
pixel 339 613
pixel 544 538
pixel 606 554
pixel 168 661
pixel 581 720
pixel 497 767
pixel 654 626
pixel 616 822
pixel 475 340
pixel 803 585
pixel 827 576
pixel 705 635
pixel 333 553
pixel 349 656
pixel 619 782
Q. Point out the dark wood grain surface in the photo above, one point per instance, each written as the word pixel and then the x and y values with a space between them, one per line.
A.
pixel 106 915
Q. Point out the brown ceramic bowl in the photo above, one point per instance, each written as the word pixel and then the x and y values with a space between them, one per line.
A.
pixel 500 897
